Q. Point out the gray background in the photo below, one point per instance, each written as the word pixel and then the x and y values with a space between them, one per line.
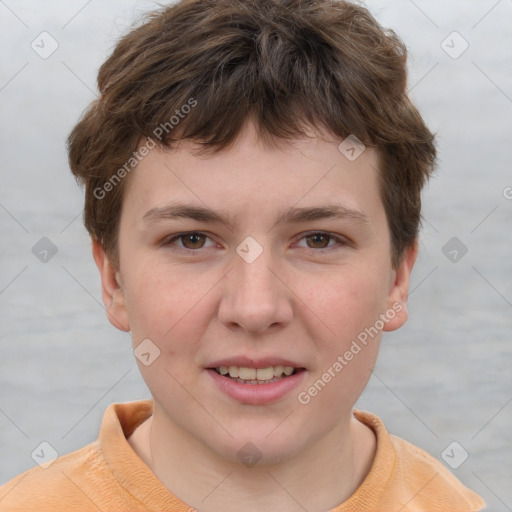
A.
pixel 444 377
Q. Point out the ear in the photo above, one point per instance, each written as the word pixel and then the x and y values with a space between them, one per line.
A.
pixel 399 290
pixel 111 291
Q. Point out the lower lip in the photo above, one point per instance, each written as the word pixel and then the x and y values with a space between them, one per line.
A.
pixel 257 394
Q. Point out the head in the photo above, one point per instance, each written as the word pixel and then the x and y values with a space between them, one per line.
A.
pixel 225 119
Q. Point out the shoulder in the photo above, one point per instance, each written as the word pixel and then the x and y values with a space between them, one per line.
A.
pixel 430 485
pixel 404 477
pixel 71 482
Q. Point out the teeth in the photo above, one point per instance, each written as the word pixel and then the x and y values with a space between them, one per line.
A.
pixel 244 373
pixel 265 373
pixel 278 371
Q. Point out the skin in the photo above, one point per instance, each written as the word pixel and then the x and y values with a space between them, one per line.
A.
pixel 200 301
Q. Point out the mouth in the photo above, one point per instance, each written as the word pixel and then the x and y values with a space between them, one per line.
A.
pixel 258 384
pixel 256 376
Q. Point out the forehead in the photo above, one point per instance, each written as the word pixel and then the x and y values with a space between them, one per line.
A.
pixel 252 177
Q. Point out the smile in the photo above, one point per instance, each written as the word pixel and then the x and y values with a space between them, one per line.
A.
pixel 257 386
pixel 247 375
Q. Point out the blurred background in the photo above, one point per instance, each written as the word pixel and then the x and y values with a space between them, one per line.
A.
pixel 442 382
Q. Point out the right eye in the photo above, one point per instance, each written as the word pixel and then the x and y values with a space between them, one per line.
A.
pixel 191 241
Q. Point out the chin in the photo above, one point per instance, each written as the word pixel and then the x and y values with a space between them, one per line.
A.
pixel 260 446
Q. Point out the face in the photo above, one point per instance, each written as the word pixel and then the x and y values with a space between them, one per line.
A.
pixel 255 261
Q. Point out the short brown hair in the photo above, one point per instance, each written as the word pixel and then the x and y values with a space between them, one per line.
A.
pixel 290 65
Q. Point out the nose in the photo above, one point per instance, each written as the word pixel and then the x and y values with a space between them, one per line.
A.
pixel 256 296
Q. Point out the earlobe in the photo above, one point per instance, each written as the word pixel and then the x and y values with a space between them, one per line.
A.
pixel 111 291
pixel 399 291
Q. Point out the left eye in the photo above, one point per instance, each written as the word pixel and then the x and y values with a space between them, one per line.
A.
pixel 320 240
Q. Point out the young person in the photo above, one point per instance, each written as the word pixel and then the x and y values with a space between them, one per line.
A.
pixel 253 173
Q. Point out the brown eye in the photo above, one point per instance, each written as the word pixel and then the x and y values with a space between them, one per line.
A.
pixel 318 240
pixel 193 240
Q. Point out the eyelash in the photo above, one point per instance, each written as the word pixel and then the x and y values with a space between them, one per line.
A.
pixel 340 241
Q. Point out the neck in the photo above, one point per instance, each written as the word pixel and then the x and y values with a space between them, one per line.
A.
pixel 316 479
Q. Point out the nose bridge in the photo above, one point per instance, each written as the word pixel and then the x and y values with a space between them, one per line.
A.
pixel 254 297
pixel 256 278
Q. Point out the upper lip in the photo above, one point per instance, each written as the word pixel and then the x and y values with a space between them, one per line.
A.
pixel 250 362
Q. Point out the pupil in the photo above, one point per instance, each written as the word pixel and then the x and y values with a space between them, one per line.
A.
pixel 317 239
pixel 194 239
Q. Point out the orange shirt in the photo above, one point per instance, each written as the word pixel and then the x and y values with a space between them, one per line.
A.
pixel 107 475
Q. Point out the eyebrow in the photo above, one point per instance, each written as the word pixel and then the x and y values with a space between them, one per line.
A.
pixel 292 215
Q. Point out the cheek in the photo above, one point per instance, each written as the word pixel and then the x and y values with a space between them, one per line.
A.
pixel 169 309
pixel 347 352
pixel 347 301
pixel 173 313
pixel 348 304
